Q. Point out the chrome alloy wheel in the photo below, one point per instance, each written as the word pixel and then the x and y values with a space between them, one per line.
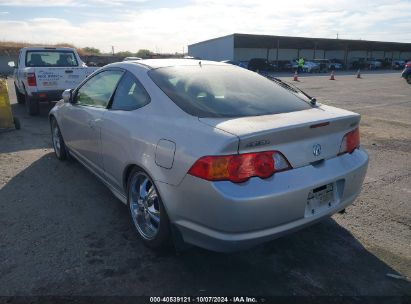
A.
pixel 144 205
pixel 56 139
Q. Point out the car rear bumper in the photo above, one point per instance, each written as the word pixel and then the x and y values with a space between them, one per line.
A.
pixel 224 216
pixel 54 95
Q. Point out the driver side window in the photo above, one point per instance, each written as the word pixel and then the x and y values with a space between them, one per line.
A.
pixel 97 91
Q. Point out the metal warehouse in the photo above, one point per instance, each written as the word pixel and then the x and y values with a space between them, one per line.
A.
pixel 243 47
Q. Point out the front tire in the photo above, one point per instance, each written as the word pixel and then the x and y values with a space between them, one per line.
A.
pixel 58 143
pixel 147 210
pixel 20 96
pixel 32 105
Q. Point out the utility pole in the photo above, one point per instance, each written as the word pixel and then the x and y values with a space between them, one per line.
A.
pixel 112 49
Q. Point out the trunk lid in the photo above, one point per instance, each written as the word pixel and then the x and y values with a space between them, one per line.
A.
pixel 296 134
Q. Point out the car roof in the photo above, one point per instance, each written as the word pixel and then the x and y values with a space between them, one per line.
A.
pixel 161 63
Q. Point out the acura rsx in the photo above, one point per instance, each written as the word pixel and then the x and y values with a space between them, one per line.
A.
pixel 208 153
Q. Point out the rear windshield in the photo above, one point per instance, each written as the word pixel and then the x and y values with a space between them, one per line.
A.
pixel 224 91
pixel 51 58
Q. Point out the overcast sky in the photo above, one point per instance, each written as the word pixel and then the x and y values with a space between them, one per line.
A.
pixel 168 26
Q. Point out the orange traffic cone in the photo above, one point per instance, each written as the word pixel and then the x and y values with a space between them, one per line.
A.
pixel 332 76
pixel 358 73
pixel 295 76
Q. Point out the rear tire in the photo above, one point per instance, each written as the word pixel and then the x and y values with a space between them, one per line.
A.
pixel 57 139
pixel 147 210
pixel 32 105
pixel 20 96
pixel 16 123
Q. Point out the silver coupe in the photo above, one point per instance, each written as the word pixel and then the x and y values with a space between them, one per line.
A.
pixel 208 153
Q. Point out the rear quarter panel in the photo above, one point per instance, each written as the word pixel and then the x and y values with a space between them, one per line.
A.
pixel 134 136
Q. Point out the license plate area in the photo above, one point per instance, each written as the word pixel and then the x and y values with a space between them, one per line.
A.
pixel 320 200
pixel 49 83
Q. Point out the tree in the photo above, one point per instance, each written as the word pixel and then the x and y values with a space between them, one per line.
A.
pixel 124 54
pixel 143 53
pixel 91 50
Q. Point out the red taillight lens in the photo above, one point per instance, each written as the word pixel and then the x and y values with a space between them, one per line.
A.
pixel 408 65
pixel 350 142
pixel 239 168
pixel 31 79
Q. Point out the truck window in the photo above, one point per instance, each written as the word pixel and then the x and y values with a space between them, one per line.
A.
pixel 50 58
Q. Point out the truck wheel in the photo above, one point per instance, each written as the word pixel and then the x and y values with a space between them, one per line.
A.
pixel 32 105
pixel 20 96
pixel 16 123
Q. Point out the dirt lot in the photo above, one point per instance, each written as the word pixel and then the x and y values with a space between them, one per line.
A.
pixel 63 233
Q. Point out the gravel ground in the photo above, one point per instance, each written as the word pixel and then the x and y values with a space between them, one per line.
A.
pixel 63 233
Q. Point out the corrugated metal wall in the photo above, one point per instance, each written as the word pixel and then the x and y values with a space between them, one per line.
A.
pixel 243 47
pixel 217 49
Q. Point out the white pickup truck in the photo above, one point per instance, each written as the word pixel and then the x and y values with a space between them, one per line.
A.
pixel 43 73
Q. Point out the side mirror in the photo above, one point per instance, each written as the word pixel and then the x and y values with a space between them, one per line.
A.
pixel 67 95
pixel 11 64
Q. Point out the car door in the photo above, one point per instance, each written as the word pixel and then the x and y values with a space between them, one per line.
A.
pixel 82 119
pixel 123 116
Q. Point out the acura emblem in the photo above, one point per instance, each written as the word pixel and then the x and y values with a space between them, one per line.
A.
pixel 317 149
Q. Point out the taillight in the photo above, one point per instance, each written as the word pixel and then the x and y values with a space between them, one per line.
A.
pixel 31 79
pixel 408 65
pixel 240 167
pixel 350 142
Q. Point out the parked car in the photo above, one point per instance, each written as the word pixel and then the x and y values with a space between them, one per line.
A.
pixel 406 74
pixel 311 67
pixel 336 64
pixel 373 63
pixel 191 57
pixel 359 63
pixel 326 64
pixel 237 63
pixel 290 65
pixel 308 67
pixel 386 63
pixel 43 73
pixel 285 65
pixel 208 153
pixel 398 64
pixel 132 58
pixel 261 64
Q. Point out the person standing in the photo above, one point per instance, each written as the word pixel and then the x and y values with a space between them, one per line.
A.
pixel 300 64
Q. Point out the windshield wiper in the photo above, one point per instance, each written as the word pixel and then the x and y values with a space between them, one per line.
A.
pixel 292 88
